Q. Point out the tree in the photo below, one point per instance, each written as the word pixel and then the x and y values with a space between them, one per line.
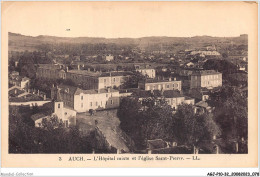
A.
pixel 191 129
pixel 231 112
pixel 133 80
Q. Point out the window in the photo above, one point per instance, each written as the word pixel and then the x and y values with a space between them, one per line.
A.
pixel 82 105
pixel 106 102
pixel 148 87
pixel 106 95
pixel 90 103
pixel 66 123
pixel 58 105
pixel 96 103
pixel 114 79
pixel 111 101
pixel 81 97
pixel 105 81
pixel 168 86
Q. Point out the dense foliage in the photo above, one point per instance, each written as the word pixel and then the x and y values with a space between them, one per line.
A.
pixel 154 119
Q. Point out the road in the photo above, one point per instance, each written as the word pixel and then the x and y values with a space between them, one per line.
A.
pixel 108 122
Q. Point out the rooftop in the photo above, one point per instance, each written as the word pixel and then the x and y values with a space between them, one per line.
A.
pixel 205 72
pixel 76 91
pixel 85 72
pixel 119 73
pixel 157 93
pixel 158 80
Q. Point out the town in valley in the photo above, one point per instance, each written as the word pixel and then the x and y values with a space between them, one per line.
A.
pixel 149 95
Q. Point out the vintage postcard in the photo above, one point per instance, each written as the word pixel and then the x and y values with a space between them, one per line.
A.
pixel 129 84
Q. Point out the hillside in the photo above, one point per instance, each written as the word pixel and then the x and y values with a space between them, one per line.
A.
pixel 18 42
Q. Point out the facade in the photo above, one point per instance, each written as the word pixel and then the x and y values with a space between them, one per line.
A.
pixel 84 100
pixel 16 80
pixel 206 79
pixel 160 85
pixel 205 53
pixel 22 82
pixel 87 78
pixel 66 114
pixel 109 57
pixel 49 71
pixel 173 97
pixel 146 70
pixel 113 79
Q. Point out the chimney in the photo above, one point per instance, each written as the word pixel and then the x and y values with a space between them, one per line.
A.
pixel 108 89
pixel 110 74
pixel 38 92
pixel 67 68
pixel 170 79
pixel 88 69
pixel 174 78
pixel 53 85
pixel 83 65
pixel 15 91
pixel 94 69
pixel 78 67
pixel 44 97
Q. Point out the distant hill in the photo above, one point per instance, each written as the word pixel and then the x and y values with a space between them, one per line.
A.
pixel 18 42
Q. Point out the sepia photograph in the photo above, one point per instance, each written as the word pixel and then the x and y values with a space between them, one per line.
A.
pixel 97 79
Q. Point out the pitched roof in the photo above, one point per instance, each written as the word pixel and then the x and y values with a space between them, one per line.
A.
pixel 202 104
pixel 143 66
pixel 76 91
pixel 120 73
pixel 158 80
pixel 85 72
pixel 171 94
pixel 205 72
pixel 143 93
pixel 38 116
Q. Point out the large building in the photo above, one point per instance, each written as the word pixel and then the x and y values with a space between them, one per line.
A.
pixel 84 100
pixel 205 53
pixel 98 80
pixel 173 97
pixel 86 78
pixel 160 84
pixel 49 71
pixel 146 70
pixel 206 79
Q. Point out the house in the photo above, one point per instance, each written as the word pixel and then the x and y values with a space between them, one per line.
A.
pixel 202 107
pixel 16 80
pixel 173 97
pixel 152 84
pixel 200 94
pixel 206 78
pixel 108 57
pixel 37 118
pixel 205 53
pixel 84 100
pixel 66 114
pixel 98 80
pixel 50 110
pixel 50 71
pixel 145 70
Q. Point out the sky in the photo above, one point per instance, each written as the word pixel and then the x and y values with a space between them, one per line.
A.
pixel 129 19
